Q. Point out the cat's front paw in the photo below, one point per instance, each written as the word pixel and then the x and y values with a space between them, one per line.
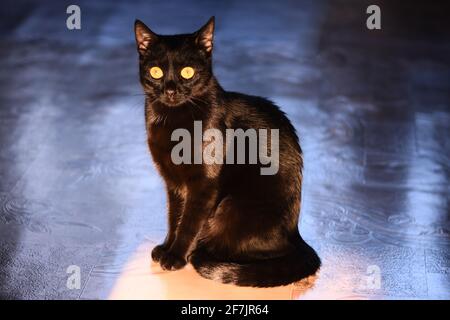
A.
pixel 170 261
pixel 158 252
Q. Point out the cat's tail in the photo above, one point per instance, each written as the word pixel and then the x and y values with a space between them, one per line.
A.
pixel 302 262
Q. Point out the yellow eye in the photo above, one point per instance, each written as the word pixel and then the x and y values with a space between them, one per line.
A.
pixel 187 72
pixel 156 72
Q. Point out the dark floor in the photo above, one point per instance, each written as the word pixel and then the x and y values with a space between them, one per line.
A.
pixel 372 108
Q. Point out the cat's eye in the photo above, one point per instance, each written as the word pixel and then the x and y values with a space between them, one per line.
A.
pixel 187 72
pixel 156 72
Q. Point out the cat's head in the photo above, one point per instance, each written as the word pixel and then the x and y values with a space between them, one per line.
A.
pixel 174 69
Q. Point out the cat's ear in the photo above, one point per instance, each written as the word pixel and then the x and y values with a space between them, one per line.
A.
pixel 144 36
pixel 205 36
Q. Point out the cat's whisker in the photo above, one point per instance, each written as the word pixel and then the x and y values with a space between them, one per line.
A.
pixel 135 106
pixel 192 113
pixel 201 100
pixel 136 94
pixel 195 105
pixel 194 99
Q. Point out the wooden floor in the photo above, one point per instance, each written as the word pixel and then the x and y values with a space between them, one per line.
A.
pixel 372 109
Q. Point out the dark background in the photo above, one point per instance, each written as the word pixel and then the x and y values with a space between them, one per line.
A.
pixel 372 109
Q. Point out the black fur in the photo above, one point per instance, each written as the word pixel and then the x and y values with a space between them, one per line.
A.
pixel 232 223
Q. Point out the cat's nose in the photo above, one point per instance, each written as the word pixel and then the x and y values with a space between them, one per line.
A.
pixel 170 93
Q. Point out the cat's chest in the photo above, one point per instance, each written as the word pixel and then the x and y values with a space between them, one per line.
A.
pixel 162 141
pixel 164 136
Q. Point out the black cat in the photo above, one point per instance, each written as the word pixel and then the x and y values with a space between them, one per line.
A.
pixel 232 223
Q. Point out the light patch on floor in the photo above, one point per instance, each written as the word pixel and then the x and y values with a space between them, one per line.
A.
pixel 143 279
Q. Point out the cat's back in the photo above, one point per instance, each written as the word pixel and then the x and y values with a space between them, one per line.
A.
pixel 248 111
